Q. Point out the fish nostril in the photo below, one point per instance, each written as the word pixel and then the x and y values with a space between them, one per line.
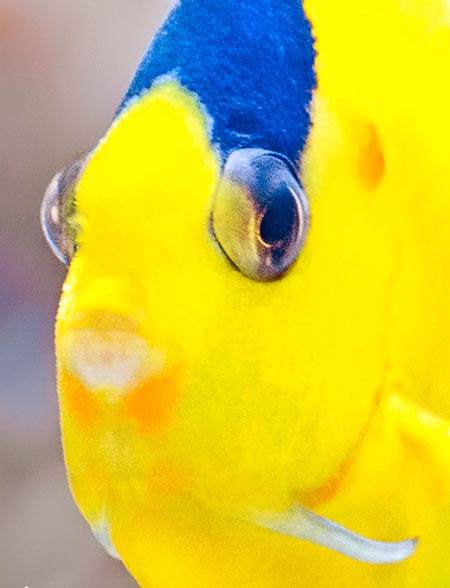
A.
pixel 109 354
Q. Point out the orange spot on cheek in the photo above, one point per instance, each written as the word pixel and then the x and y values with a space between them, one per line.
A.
pixel 152 404
pixel 80 403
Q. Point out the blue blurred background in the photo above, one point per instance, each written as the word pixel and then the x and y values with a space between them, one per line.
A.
pixel 64 66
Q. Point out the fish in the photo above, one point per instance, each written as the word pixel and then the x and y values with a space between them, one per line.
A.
pixel 253 336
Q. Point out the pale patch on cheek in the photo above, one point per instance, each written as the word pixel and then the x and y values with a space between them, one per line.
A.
pixel 102 532
pixel 113 359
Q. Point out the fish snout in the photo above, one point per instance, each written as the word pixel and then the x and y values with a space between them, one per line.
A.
pixel 106 351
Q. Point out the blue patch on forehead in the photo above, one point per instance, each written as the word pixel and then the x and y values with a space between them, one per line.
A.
pixel 251 64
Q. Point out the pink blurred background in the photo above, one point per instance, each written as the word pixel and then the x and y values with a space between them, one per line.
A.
pixel 64 66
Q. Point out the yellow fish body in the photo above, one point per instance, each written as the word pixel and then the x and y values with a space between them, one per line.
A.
pixel 253 339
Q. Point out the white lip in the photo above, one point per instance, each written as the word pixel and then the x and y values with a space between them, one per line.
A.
pixel 111 359
pixel 301 523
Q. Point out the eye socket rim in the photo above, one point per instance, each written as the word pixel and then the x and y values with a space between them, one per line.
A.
pixel 266 270
pixel 58 198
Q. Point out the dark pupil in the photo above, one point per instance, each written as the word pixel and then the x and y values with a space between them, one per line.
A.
pixel 280 220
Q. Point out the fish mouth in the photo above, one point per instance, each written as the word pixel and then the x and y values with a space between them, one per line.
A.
pixel 301 523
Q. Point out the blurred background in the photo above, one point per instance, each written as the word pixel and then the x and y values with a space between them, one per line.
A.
pixel 64 66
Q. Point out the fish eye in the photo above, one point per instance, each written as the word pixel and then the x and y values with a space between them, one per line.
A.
pixel 58 210
pixel 260 215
